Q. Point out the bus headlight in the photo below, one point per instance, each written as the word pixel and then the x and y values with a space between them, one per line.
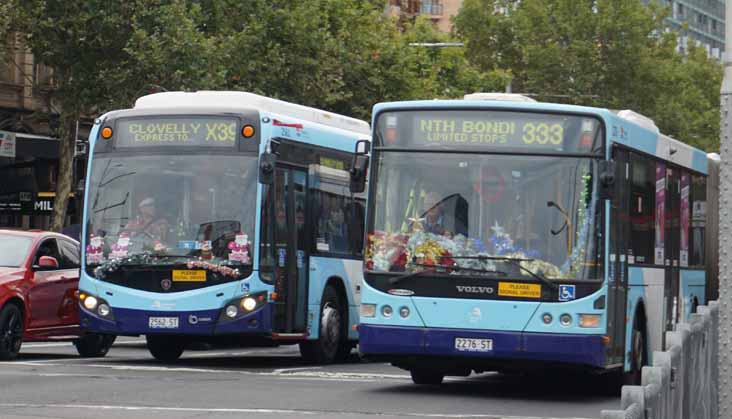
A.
pixel 547 318
pixel 565 319
pixel 368 310
pixel 248 304
pixel 387 311
pixel 231 311
pixel 404 312
pixel 589 320
pixel 104 310
pixel 95 305
pixel 90 302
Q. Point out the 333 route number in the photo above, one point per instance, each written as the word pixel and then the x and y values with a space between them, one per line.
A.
pixel 542 133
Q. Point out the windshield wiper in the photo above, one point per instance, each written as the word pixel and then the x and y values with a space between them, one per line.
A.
pixel 516 262
pixel 459 268
pixel 397 279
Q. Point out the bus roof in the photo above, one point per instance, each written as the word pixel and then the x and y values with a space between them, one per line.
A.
pixel 245 100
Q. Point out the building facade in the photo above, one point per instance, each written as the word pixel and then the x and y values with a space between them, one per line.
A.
pixel 439 11
pixel 28 150
pixel 701 21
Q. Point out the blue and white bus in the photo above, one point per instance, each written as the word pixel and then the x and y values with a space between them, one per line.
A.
pixel 505 234
pixel 224 217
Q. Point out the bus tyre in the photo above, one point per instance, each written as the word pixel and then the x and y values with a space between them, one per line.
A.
pixel 332 342
pixel 94 345
pixel 426 377
pixel 637 356
pixel 165 348
pixel 11 332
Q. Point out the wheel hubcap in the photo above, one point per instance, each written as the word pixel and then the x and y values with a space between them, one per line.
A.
pixel 331 324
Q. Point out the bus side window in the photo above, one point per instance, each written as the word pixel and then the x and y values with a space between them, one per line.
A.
pixel 642 208
pixel 698 220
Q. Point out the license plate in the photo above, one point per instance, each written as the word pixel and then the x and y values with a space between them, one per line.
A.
pixel 189 276
pixel 473 345
pixel 163 322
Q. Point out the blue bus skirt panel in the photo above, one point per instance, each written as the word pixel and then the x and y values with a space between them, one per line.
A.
pixel 195 323
pixel 397 342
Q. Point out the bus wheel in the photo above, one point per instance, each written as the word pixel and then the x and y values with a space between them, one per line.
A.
pixel 94 345
pixel 329 345
pixel 165 348
pixel 426 377
pixel 11 332
pixel 637 357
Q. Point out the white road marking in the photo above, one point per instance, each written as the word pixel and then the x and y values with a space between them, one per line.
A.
pixel 66 344
pixel 288 370
pixel 294 373
pixel 253 410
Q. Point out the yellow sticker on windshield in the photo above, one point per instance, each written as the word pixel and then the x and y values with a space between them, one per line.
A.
pixel 515 289
pixel 189 276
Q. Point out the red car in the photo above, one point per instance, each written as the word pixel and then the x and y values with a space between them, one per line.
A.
pixel 39 276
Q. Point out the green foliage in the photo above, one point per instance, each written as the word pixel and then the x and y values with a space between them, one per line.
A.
pixel 608 53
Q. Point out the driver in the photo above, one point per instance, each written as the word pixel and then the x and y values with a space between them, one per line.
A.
pixel 148 223
pixel 433 214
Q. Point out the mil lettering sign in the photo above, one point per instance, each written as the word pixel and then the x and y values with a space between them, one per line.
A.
pixel 489 129
pixel 162 132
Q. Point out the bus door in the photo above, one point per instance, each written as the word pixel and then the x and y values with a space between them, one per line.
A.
pixel 291 258
pixel 618 257
pixel 672 245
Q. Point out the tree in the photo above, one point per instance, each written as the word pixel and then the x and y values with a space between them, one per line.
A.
pixel 609 53
pixel 105 53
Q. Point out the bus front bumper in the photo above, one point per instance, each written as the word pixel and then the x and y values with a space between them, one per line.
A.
pixel 195 323
pixel 512 349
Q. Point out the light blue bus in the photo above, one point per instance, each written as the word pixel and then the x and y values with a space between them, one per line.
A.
pixel 224 217
pixel 505 234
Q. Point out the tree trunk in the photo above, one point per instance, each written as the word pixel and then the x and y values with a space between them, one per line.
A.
pixel 64 180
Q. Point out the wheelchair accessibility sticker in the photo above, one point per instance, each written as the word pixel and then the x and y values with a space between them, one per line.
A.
pixel 566 292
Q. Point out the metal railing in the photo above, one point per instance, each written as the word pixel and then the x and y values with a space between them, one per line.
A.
pixel 683 381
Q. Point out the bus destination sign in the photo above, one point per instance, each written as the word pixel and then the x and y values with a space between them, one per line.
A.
pixel 162 132
pixel 489 129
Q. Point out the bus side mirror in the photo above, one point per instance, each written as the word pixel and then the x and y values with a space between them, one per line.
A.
pixel 359 169
pixel 607 179
pixel 267 168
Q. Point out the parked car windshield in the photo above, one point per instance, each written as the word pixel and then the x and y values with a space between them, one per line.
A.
pixel 13 250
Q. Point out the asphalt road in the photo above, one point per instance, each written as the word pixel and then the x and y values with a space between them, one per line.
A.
pixel 50 381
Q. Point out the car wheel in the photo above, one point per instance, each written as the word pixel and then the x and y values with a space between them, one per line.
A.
pixel 331 343
pixel 11 332
pixel 94 345
pixel 165 348
pixel 426 377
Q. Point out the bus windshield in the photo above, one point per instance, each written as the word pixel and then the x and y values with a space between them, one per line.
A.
pixel 168 208
pixel 482 214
